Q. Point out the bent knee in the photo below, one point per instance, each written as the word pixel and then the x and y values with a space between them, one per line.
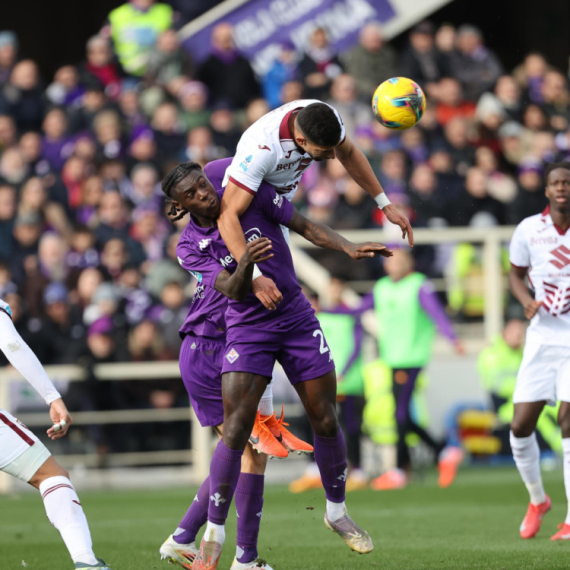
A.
pixel 327 426
pixel 49 469
pixel 521 429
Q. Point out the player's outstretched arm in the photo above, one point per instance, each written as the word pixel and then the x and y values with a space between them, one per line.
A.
pixel 359 168
pixel 519 289
pixel 237 285
pixel 323 236
pixel 21 357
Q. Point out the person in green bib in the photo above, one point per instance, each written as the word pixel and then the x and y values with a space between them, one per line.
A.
pixel 408 314
pixel 134 28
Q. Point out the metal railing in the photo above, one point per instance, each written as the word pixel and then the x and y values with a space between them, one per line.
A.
pixel 310 272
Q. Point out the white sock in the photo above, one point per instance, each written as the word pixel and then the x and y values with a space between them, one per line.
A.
pixel 266 403
pixel 335 511
pixel 65 512
pixel 527 458
pixel 566 452
pixel 215 532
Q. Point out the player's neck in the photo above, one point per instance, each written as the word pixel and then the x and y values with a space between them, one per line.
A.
pixel 202 222
pixel 561 218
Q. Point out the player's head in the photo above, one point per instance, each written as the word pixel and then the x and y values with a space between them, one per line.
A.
pixel 190 191
pixel 557 178
pixel 399 265
pixel 318 131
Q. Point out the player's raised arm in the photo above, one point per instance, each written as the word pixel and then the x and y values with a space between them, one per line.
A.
pixel 21 357
pixel 359 168
pixel 323 236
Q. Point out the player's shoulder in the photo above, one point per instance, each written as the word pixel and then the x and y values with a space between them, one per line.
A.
pixel 537 222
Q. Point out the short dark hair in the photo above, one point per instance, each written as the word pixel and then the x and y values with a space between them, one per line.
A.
pixel 320 125
pixel 175 176
pixel 553 166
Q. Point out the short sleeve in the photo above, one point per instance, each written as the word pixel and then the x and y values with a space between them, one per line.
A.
pixel 202 266
pixel 274 206
pixel 251 163
pixel 519 253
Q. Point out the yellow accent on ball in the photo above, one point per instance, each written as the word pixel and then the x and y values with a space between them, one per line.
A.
pixel 398 103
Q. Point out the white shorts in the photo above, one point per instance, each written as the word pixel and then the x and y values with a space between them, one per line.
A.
pixel 544 374
pixel 21 452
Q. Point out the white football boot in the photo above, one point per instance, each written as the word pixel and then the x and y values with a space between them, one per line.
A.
pixel 183 554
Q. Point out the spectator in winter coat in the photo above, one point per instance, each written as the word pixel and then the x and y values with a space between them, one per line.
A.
pixel 226 73
pixel 371 62
pixel 319 66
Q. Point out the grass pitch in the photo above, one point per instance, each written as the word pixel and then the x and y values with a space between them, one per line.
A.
pixel 472 525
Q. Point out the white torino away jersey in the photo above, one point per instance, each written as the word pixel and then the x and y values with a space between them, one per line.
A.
pixel 545 249
pixel 266 152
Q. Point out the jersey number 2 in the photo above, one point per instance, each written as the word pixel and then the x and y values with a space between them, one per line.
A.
pixel 323 348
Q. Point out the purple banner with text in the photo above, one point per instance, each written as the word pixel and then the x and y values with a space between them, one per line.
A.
pixel 261 25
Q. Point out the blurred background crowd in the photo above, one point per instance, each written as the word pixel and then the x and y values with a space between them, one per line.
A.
pixel 87 256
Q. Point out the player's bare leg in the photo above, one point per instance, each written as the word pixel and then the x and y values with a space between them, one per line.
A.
pixel 527 458
pixel 319 399
pixel 65 512
pixel 241 394
pixel 564 423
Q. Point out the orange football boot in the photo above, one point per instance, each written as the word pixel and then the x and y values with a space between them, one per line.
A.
pixel 264 441
pixel 284 436
pixel 306 482
pixel 533 518
pixel 563 533
pixel 393 479
pixel 449 461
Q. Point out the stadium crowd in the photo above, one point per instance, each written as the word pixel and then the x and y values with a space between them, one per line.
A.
pixel 87 257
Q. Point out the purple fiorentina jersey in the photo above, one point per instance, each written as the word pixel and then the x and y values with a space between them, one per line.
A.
pixel 204 253
pixel 207 312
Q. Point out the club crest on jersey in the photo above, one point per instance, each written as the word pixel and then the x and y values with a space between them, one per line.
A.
pixel 244 164
pixel 232 355
pixel 204 243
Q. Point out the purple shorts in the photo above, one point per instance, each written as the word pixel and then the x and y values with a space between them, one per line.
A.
pixel 299 347
pixel 201 371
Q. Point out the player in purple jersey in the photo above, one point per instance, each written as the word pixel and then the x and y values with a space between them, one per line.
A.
pixel 256 338
pixel 201 357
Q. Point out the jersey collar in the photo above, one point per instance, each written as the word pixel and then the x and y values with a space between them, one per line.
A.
pixel 547 217
pixel 285 135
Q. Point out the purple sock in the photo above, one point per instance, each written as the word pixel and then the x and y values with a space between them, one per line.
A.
pixel 330 455
pixel 249 506
pixel 224 474
pixel 195 517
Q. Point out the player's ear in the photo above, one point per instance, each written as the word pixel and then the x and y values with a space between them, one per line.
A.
pixel 301 141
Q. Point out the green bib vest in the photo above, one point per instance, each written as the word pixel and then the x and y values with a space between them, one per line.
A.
pixel 405 332
pixel 498 367
pixel 134 33
pixel 339 332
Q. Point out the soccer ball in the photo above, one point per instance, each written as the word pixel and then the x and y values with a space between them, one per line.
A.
pixel 398 103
